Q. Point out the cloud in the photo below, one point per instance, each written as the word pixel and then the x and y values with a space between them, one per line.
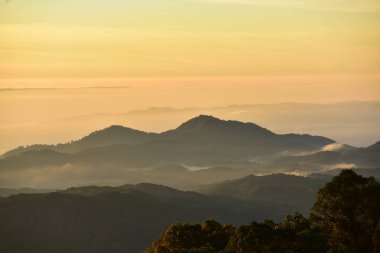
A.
pixel 344 166
pixel 53 177
pixel 333 147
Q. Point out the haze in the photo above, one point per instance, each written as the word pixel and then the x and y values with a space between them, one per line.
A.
pixel 64 59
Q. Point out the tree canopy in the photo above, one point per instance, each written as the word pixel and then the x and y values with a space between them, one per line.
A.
pixel 345 218
pixel 348 210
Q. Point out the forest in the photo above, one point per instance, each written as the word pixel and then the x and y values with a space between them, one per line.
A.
pixel 345 218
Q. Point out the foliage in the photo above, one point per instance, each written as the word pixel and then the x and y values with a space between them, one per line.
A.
pixel 345 218
pixel 207 237
pixel 293 235
pixel 348 209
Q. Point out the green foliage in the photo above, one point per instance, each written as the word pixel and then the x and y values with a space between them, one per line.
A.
pixel 348 209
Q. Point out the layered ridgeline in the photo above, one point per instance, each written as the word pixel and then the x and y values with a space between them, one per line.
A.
pixel 345 218
pixel 112 153
pixel 129 218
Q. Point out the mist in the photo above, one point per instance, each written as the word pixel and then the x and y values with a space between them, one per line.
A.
pixel 353 123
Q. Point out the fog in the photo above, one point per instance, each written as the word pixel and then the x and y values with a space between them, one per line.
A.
pixel 353 123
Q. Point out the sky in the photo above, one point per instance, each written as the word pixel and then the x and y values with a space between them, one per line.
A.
pixel 188 38
pixel 65 58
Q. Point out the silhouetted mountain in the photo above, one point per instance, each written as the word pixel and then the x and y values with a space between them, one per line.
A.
pixel 182 178
pixel 108 219
pixel 284 192
pixel 310 162
pixel 35 158
pixel 5 192
pixel 202 141
pixel 308 140
pixel 213 128
pixel 171 169
pixel 108 136
pixel 229 134
pixel 366 172
pixel 368 157
pixel 341 158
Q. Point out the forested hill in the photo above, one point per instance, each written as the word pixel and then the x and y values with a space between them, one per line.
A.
pixel 109 219
pixel 345 219
pixel 130 217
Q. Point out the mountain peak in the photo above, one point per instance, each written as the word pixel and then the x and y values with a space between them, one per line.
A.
pixel 211 123
pixel 116 130
pixel 199 122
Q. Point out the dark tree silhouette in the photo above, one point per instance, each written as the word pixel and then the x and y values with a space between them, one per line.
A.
pixel 207 237
pixel 294 235
pixel 348 210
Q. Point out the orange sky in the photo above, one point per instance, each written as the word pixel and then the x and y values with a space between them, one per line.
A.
pixel 179 53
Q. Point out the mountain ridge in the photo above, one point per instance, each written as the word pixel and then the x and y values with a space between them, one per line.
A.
pixel 112 154
pixel 117 134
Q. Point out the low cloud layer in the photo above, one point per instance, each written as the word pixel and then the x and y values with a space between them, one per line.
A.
pixel 333 147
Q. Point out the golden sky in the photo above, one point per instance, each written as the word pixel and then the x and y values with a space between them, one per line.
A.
pixel 180 53
pixel 188 38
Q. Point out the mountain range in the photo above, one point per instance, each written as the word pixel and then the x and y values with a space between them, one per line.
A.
pixel 128 217
pixel 202 142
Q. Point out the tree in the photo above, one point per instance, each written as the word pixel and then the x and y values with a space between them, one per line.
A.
pixel 348 210
pixel 297 235
pixel 294 235
pixel 208 237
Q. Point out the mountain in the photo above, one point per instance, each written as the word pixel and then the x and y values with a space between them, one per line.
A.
pixel 211 130
pixel 171 169
pixel 287 193
pixel 368 157
pixel 127 218
pixel 113 153
pixel 366 172
pixel 196 131
pixel 201 141
pixel 344 157
pixel 5 192
pixel 181 177
pixel 109 219
pixel 108 136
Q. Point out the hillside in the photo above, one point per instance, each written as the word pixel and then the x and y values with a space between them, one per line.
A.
pixel 108 219
pixel 283 192
pixel 111 153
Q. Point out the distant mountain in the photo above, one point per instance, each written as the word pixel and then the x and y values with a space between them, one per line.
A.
pixel 284 192
pixel 368 157
pixel 172 169
pixel 109 219
pixel 5 192
pixel 201 141
pixel 366 172
pixel 212 130
pixel 109 136
pixel 182 178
